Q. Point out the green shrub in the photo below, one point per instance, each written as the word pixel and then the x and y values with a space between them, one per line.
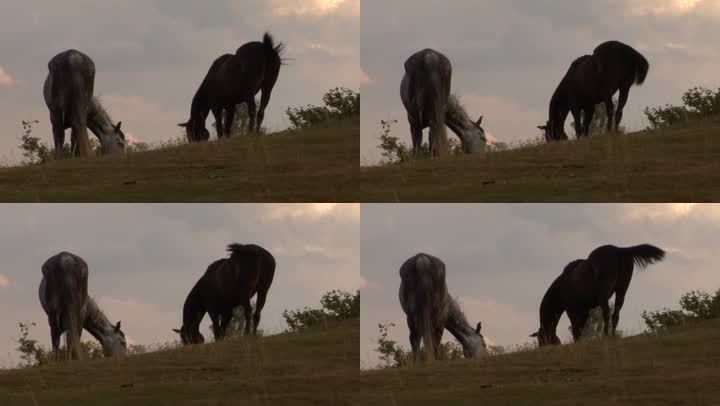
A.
pixel 335 305
pixel 694 305
pixel 339 102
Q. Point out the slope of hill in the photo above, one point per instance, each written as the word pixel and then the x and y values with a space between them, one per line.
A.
pixel 311 367
pixel 676 164
pixel 318 164
pixel 680 367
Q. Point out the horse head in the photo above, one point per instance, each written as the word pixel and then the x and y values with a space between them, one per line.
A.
pixel 190 336
pixel 474 140
pixel 114 344
pixel 114 142
pixel 195 130
pixel 552 132
pixel 477 347
pixel 546 338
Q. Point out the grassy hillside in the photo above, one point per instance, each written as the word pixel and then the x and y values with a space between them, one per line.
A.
pixel 681 367
pixel 308 368
pixel 318 165
pixel 676 164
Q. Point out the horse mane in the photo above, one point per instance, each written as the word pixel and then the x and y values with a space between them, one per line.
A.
pixel 455 312
pixel 96 315
pixel 551 303
pixel 456 111
pixel 98 110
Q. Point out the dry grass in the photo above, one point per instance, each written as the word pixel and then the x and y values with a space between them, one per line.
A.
pixel 681 367
pixel 317 165
pixel 677 164
pixel 308 368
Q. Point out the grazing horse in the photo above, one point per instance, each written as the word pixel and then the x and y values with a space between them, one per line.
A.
pixel 588 283
pixel 226 284
pixel 64 297
pixel 591 80
pixel 68 93
pixel 235 79
pixel 430 309
pixel 425 93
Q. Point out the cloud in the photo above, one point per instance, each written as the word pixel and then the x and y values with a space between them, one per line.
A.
pixel 5 78
pixel 287 8
pixel 4 281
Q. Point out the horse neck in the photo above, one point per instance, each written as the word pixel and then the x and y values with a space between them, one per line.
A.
pixel 98 119
pixel 551 307
pixel 459 327
pixel 559 104
pixel 457 119
pixel 194 309
pixel 96 323
pixel 200 107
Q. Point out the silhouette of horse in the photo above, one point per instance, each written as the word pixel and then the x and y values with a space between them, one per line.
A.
pixel 588 283
pixel 591 80
pixel 68 92
pixel 226 284
pixel 64 297
pixel 430 309
pixel 235 79
pixel 425 93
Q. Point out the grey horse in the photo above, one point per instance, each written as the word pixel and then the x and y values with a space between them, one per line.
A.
pixel 425 93
pixel 64 297
pixel 430 309
pixel 68 92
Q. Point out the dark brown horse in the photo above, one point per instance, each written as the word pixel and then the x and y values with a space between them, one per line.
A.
pixel 235 79
pixel 588 283
pixel 591 80
pixel 228 283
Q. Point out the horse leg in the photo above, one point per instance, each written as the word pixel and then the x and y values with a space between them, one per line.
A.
pixel 609 110
pixel 589 113
pixel 247 310
pixel 225 322
pixel 624 93
pixel 605 306
pixel 229 119
pixel 80 135
pixel 577 322
pixel 264 100
pixel 59 139
pixel 217 330
pixel 55 334
pixel 414 337
pixel 217 113
pixel 416 134
pixel 437 338
pixel 252 114
pixel 259 304
pixel 577 122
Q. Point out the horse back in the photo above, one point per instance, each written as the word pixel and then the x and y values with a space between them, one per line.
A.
pixel 64 284
pixel 70 84
pixel 428 76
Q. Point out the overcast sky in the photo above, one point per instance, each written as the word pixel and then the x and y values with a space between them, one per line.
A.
pixel 144 259
pixel 151 56
pixel 508 56
pixel 500 259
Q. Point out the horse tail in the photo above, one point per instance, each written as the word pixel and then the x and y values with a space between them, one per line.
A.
pixel 272 50
pixel 434 92
pixel 642 66
pixel 643 255
pixel 423 302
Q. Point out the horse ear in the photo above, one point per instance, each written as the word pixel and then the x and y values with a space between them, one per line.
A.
pixel 542 127
pixel 117 326
pixel 183 125
pixel 117 127
pixel 478 327
pixel 535 334
pixel 479 121
pixel 177 331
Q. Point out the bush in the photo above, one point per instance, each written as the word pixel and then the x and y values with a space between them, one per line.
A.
pixel 34 150
pixel 336 305
pixel 339 102
pixel 694 306
pixel 698 103
pixel 393 355
pixel 395 151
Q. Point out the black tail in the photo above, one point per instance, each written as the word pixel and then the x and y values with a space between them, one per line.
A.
pixel 641 69
pixel 272 49
pixel 643 255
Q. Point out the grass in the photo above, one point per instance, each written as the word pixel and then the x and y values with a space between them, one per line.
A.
pixel 313 165
pixel 676 164
pixel 681 367
pixel 307 368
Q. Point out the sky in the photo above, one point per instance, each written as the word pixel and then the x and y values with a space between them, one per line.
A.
pixel 501 258
pixel 509 56
pixel 151 55
pixel 143 259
